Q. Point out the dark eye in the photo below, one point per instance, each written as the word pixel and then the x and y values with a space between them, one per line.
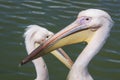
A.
pixel 88 18
pixel 85 19
pixel 47 36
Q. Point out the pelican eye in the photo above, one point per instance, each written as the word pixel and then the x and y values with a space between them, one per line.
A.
pixel 85 19
pixel 47 36
pixel 88 18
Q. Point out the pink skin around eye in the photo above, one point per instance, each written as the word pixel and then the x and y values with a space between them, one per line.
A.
pixel 83 20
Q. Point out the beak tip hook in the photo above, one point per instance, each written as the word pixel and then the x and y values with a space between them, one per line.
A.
pixel 22 63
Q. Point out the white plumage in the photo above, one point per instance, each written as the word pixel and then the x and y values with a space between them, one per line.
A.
pixel 92 26
pixel 103 21
pixel 34 36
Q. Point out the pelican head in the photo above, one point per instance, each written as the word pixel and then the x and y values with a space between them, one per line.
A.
pixel 36 34
pixel 89 24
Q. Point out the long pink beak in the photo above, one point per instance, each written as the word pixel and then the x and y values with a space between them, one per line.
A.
pixel 60 39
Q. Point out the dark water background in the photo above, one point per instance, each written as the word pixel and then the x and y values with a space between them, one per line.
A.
pixel 54 15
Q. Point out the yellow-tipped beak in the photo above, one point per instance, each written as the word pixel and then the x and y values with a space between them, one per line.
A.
pixel 73 33
pixel 61 56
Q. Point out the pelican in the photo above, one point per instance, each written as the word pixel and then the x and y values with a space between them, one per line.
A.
pixel 92 26
pixel 35 36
